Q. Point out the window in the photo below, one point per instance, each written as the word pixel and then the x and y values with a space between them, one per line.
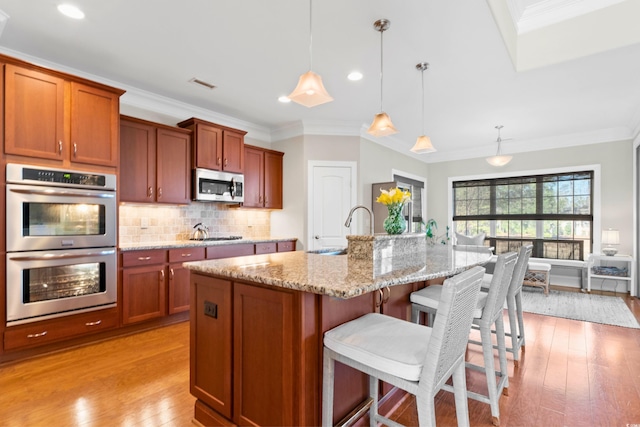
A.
pixel 553 212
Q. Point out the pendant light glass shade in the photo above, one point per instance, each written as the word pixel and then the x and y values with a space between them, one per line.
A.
pixel 499 159
pixel 423 144
pixel 381 125
pixel 310 91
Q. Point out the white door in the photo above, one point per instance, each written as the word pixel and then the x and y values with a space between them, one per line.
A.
pixel 332 193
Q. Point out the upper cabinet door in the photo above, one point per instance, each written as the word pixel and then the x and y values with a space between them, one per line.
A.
pixel 233 151
pixel 253 178
pixel 94 125
pixel 208 147
pixel 173 166
pixel 34 114
pixel 273 180
pixel 137 162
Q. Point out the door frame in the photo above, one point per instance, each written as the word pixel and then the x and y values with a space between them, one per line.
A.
pixel 311 164
pixel 635 287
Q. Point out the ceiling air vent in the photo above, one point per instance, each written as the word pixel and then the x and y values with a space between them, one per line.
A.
pixel 202 83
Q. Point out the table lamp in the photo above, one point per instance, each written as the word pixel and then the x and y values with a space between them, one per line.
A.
pixel 610 237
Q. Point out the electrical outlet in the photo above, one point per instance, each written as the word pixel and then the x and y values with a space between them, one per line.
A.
pixel 144 223
pixel 211 309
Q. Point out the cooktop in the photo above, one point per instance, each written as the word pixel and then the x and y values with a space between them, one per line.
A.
pixel 220 238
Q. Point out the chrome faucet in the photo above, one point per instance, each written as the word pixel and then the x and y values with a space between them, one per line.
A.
pixel 347 223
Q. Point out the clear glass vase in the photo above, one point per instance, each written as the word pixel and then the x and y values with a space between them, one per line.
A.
pixel 395 222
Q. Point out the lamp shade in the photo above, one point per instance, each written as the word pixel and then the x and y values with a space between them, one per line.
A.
pixel 610 237
pixel 310 91
pixel 423 145
pixel 499 160
pixel 381 125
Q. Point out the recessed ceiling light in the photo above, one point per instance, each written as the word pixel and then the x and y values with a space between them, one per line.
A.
pixel 284 99
pixel 71 11
pixel 355 76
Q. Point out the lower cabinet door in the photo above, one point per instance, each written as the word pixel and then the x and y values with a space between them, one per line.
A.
pixel 178 288
pixel 263 359
pixel 143 293
pixel 211 342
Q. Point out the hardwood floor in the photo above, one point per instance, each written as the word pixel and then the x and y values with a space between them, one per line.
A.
pixel 137 380
pixel 572 373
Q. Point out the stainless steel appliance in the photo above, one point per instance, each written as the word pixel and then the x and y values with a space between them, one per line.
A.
pixel 61 238
pixel 215 186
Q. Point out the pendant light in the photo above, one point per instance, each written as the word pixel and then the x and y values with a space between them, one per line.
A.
pixel 423 143
pixel 381 125
pixel 310 91
pixel 499 159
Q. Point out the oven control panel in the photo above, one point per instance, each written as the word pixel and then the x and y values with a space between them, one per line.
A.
pixel 63 177
pixel 35 175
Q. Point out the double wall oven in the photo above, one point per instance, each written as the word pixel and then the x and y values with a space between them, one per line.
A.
pixel 61 242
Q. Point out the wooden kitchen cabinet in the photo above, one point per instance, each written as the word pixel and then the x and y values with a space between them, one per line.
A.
pixel 143 285
pixel 49 116
pixel 178 291
pixel 216 147
pixel 62 328
pixel 262 178
pixel 155 162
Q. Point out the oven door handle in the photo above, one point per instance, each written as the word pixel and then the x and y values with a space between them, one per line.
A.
pixel 52 192
pixel 61 256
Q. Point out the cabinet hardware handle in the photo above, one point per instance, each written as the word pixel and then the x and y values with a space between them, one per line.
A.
pixel 144 258
pixel 59 147
pixel 159 192
pixel 379 302
pixel 385 300
pixel 226 161
pixel 150 192
pixel 41 334
pixel 186 255
pixel 162 275
pixel 316 237
pixel 75 149
pixel 96 323
pixel 171 273
pixel 218 161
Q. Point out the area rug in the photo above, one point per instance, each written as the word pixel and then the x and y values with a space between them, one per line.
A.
pixel 579 306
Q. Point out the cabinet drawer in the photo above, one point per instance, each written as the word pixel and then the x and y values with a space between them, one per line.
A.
pixel 137 258
pixel 265 248
pixel 228 251
pixel 186 254
pixel 286 246
pixel 47 331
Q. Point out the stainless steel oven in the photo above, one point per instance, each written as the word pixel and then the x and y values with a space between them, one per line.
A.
pixel 61 238
pixel 46 284
pixel 53 209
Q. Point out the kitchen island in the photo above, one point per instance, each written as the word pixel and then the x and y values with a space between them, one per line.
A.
pixel 257 324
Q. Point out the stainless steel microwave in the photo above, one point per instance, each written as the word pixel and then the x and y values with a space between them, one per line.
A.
pixel 215 186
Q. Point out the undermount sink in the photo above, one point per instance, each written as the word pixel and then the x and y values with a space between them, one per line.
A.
pixel 329 251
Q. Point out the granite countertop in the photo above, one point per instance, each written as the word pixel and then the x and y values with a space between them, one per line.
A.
pixel 197 243
pixel 338 275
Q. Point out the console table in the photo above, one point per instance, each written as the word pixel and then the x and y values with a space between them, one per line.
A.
pixel 610 267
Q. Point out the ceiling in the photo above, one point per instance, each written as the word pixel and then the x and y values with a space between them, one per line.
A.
pixel 552 72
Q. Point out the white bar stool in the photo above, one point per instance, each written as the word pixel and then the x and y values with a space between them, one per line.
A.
pixel 487 312
pixel 415 358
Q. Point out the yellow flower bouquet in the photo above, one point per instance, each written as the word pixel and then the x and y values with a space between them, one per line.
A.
pixel 394 199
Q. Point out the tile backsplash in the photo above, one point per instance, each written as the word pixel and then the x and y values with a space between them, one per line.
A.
pixel 155 223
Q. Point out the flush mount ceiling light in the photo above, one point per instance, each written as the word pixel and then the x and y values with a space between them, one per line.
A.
pixel 71 11
pixel 381 125
pixel 423 143
pixel 310 91
pixel 499 159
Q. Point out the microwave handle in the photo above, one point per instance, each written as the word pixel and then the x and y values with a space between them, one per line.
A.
pixel 52 192
pixel 61 256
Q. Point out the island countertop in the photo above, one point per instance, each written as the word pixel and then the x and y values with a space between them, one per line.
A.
pixel 341 277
